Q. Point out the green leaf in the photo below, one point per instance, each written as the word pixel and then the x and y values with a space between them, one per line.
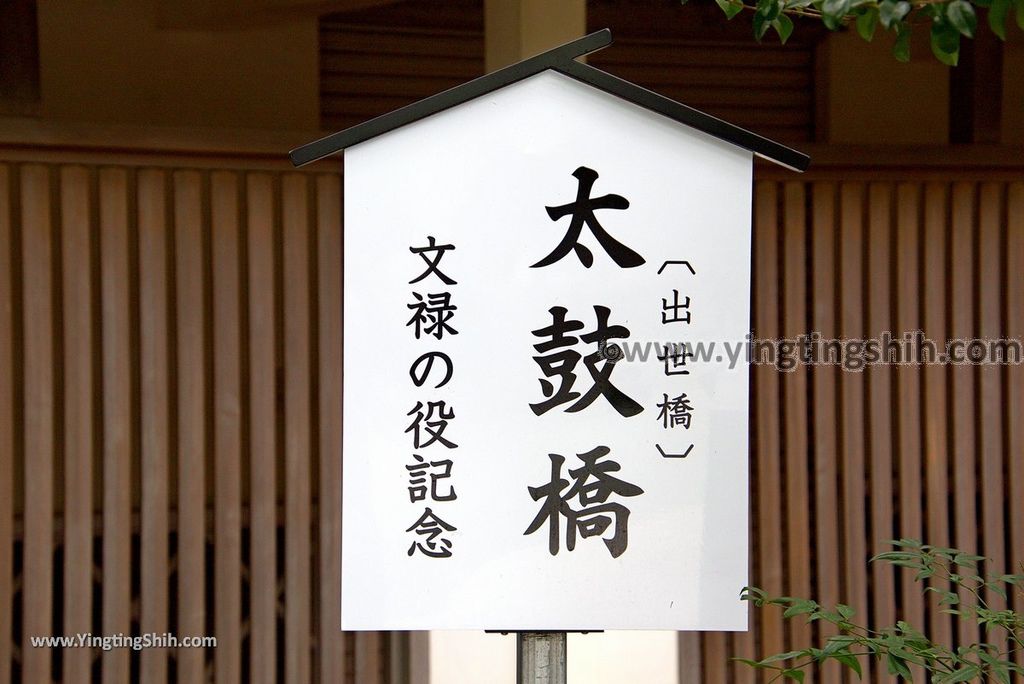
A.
pixel 846 611
pixel 800 608
pixel 747 661
pixel 770 9
pixel 1018 6
pixel 961 15
pixel 752 594
pixel 901 48
pixel 730 7
pixel 945 42
pixel 783 25
pixel 893 556
pixel 833 12
pixel 778 657
pixel 964 674
pixel 760 26
pixel 866 24
pixel 843 640
pixel 891 12
pixel 963 559
pixel 907 629
pixel 996 588
pixel 849 661
pixel 897 666
pixel 795 675
pixel 945 551
pixel 1000 669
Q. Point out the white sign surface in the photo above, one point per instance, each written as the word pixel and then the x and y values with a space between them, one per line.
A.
pixel 511 461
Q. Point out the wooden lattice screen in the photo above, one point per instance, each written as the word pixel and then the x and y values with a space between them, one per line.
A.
pixel 170 418
pixel 170 382
pixel 842 461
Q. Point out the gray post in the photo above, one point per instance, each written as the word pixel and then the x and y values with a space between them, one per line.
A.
pixel 540 657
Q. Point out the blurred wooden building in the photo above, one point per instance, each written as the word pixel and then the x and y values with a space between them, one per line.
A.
pixel 170 313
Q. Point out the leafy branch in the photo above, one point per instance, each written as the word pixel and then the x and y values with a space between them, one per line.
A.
pixel 961 591
pixel 950 19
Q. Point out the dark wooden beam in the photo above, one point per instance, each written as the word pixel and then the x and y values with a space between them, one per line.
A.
pixel 19 58
pixel 976 90
pixel 233 14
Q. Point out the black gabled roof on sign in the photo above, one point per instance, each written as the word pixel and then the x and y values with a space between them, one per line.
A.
pixel 563 60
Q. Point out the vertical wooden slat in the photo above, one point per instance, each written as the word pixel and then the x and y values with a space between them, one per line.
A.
pixel 769 469
pixel 191 411
pixel 908 388
pixel 880 413
pixel 227 426
pixel 794 387
pixel 296 228
pixel 853 445
pixel 6 427
pixel 263 430
pixel 329 255
pixel 36 241
pixel 117 417
pixel 690 665
pixel 824 377
pixel 744 644
pixel 936 455
pixel 419 658
pixel 991 282
pixel 1015 385
pixel 962 407
pixel 155 429
pixel 715 658
pixel 990 409
pixel 367 657
pixel 78 416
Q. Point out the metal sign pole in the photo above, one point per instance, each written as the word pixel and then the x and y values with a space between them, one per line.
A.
pixel 540 657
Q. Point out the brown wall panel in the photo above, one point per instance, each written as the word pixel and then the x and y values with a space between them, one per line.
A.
pixel 7 443
pixel 930 452
pixel 181 333
pixel 177 335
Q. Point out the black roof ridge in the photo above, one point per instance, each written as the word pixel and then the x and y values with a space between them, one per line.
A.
pixel 563 60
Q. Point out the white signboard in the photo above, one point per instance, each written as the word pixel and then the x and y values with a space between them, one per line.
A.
pixel 528 441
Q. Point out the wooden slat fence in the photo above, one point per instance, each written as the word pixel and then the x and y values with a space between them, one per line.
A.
pixel 170 418
pixel 841 460
pixel 170 393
